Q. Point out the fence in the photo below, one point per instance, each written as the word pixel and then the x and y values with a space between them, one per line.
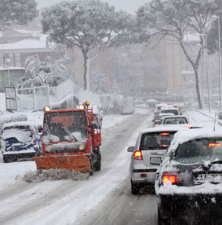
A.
pixel 10 98
pixel 32 98
pixel 38 97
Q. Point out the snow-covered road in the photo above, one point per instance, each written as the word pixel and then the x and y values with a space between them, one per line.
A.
pixel 105 198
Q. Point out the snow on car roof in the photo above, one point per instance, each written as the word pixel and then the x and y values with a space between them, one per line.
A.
pixel 185 135
pixel 168 108
pixel 175 116
pixel 187 125
pixel 162 129
pixel 20 123
pixel 165 114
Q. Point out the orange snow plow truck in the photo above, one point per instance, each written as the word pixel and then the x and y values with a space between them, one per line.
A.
pixel 71 139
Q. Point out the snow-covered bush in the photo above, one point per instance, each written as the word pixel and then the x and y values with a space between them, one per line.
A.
pixel 40 73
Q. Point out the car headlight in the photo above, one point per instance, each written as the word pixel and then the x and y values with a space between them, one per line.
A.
pixel 81 147
pixel 48 150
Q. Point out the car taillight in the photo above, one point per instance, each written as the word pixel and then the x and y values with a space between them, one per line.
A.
pixel 213 145
pixel 138 155
pixel 164 146
pixel 164 134
pixel 171 177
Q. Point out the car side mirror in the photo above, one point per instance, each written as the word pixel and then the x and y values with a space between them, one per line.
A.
pixel 95 125
pixel 130 149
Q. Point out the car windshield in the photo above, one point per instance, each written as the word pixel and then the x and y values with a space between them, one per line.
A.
pixel 64 126
pixel 157 140
pixel 174 120
pixel 21 133
pixel 174 111
pixel 200 150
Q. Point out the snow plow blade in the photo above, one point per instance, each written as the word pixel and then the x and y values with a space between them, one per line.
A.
pixel 71 162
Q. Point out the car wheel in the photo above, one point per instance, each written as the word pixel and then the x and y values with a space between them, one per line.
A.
pixel 8 159
pixel 135 188
pixel 175 220
pixel 160 220
pixel 5 159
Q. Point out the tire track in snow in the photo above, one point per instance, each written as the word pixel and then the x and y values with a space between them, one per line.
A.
pixel 27 207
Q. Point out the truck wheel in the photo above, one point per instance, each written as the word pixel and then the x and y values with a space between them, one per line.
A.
pixel 5 159
pixel 97 164
pixel 135 189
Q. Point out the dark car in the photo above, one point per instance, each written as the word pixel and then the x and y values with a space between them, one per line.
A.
pixel 188 185
pixel 20 140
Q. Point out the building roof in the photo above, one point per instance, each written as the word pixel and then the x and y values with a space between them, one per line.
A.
pixel 27 44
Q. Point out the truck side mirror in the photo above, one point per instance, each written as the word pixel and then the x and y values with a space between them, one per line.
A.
pixel 40 129
pixel 95 125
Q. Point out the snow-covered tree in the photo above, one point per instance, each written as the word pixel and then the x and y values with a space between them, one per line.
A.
pixel 39 73
pixel 214 36
pixel 177 18
pixel 115 88
pixel 99 82
pixel 16 12
pixel 90 25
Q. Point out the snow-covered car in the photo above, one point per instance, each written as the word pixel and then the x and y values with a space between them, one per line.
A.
pixel 173 120
pixel 189 181
pixel 20 140
pixel 127 110
pixel 151 103
pixel 147 154
pixel 159 107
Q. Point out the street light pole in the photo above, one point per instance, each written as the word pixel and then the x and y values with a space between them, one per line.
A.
pixel 218 19
pixel 208 76
pixel 206 65
pixel 9 75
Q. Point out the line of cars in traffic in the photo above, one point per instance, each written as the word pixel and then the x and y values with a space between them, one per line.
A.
pixel 183 163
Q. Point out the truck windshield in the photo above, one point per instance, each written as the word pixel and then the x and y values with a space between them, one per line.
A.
pixel 64 126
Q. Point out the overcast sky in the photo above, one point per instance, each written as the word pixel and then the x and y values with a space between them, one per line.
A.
pixel 129 6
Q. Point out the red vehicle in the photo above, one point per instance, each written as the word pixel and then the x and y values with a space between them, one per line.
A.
pixel 71 139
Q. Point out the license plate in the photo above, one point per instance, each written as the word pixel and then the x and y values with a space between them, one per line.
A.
pixel 211 178
pixel 155 160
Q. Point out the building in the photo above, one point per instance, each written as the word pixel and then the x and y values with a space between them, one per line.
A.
pixel 16 45
pixel 9 76
pixel 142 69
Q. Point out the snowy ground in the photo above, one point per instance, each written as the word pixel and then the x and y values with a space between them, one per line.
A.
pixel 68 201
